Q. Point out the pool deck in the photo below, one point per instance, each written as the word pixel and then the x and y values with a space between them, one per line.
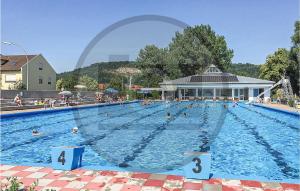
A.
pixel 91 180
pixel 43 109
pixel 278 106
pixel 281 106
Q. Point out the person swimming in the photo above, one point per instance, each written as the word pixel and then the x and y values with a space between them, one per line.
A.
pixel 35 132
pixel 225 106
pixel 234 104
pixel 169 116
pixel 185 114
pixel 75 130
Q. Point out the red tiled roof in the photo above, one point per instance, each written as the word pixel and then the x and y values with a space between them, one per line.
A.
pixel 14 62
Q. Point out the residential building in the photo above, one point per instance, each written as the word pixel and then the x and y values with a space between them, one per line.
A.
pixel 41 75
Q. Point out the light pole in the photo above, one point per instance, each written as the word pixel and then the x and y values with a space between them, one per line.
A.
pixel 19 46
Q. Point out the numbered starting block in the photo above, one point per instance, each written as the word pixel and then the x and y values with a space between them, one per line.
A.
pixel 199 166
pixel 66 157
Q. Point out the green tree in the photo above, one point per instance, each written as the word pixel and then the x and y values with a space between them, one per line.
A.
pixel 59 84
pixel 19 85
pixel 90 83
pixel 116 83
pixel 70 81
pixel 188 53
pixel 199 46
pixel 275 66
pixel 293 69
pixel 152 62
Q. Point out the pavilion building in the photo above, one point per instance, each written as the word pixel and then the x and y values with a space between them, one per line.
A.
pixel 215 84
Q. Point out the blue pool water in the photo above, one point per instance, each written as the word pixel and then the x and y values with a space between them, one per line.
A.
pixel 244 141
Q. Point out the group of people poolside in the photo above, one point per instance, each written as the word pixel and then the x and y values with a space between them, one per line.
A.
pixel 40 102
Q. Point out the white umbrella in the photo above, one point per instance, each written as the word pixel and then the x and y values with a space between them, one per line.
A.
pixel 99 93
pixel 65 93
pixel 80 86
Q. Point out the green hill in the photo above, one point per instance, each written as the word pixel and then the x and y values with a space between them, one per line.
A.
pixel 104 71
pixel 247 69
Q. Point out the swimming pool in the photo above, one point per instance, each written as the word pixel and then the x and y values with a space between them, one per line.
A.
pixel 246 141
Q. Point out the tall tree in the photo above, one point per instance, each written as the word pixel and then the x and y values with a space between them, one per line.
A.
pixel 152 62
pixel 188 53
pixel 275 66
pixel 199 46
pixel 284 61
pixel 90 83
pixel 116 83
pixel 293 69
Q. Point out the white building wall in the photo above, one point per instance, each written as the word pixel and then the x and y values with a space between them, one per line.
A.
pixel 47 74
pixel 251 96
pixel 267 94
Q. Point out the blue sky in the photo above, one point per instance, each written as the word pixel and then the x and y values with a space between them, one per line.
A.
pixel 61 29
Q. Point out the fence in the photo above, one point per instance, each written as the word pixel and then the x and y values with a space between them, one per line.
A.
pixel 10 94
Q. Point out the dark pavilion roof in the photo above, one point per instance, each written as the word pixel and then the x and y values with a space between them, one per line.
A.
pixel 214 75
pixel 224 77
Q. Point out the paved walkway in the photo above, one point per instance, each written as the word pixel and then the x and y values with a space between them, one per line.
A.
pixel 281 106
pixel 126 181
pixel 42 109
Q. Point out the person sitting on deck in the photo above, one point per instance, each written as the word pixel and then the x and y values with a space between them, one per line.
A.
pixel 18 100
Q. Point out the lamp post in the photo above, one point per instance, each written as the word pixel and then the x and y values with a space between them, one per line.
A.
pixel 19 46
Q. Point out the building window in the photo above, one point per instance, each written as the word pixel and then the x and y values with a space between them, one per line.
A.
pixel 40 80
pixel 208 92
pixel 226 92
pixel 236 92
pixel 255 92
pixel 49 80
pixel 40 66
pixel 10 78
pixel 200 92
pixel 218 92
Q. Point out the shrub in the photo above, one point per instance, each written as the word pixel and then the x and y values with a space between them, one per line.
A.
pixel 15 185
pixel 19 85
pixel 291 103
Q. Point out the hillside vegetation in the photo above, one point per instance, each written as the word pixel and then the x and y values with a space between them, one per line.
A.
pixel 103 72
pixel 249 70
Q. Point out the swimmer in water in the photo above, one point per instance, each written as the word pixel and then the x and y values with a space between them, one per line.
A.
pixel 75 130
pixel 225 106
pixel 184 114
pixel 169 116
pixel 235 104
pixel 35 132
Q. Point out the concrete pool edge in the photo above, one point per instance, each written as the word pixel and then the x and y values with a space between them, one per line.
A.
pixel 177 172
pixel 294 113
